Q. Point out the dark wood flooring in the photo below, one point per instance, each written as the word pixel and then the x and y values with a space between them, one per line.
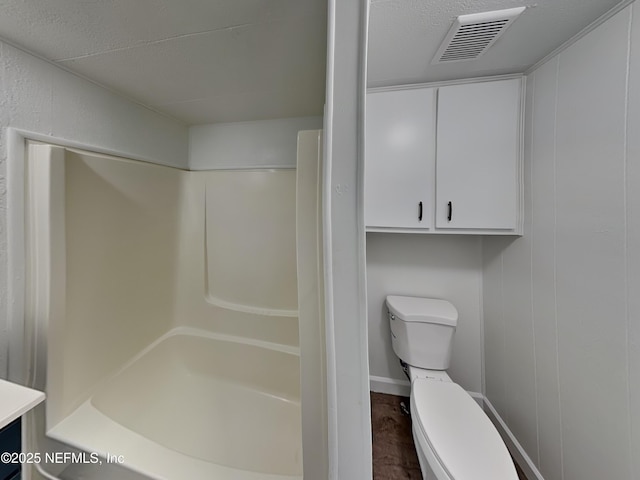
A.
pixel 394 454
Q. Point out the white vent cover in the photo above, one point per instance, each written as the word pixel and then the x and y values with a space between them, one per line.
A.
pixel 471 35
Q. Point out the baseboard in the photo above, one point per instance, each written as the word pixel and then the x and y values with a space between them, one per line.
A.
pixel 516 450
pixel 478 397
pixel 390 386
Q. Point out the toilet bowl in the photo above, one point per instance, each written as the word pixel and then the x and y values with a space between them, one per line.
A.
pixel 454 438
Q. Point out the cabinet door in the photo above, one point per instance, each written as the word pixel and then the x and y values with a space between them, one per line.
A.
pixel 10 442
pixel 400 158
pixel 478 153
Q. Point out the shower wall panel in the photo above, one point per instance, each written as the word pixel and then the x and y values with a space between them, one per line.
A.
pixel 237 264
pixel 121 227
pixel 251 242
pixel 149 248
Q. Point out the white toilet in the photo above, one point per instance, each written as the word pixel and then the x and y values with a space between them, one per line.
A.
pixel 454 438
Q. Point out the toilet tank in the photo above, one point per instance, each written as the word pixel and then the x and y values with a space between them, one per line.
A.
pixel 422 330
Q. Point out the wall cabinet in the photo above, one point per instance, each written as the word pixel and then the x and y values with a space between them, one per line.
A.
pixel 444 159
pixel 400 158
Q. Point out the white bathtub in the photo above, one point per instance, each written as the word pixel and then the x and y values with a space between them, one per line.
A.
pixel 118 253
pixel 200 406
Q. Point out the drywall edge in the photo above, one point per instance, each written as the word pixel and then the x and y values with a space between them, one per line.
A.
pixel 348 404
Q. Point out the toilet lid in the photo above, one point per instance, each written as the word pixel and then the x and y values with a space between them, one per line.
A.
pixel 459 433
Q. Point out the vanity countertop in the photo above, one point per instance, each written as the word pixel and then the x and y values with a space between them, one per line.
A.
pixel 15 400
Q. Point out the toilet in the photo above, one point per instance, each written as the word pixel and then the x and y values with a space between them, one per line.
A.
pixel 454 438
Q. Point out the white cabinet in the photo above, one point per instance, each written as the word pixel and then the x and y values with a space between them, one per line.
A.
pixel 445 159
pixel 400 158
pixel 477 155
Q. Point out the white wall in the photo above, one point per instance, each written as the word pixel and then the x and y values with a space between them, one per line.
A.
pixel 259 144
pixel 39 97
pixel 438 266
pixel 562 315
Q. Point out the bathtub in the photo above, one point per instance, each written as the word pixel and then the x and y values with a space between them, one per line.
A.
pixel 117 255
pixel 197 405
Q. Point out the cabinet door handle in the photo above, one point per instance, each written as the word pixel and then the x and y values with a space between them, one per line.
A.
pixel 450 211
pixel 420 211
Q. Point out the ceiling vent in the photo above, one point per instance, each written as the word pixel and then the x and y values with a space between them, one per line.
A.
pixel 471 35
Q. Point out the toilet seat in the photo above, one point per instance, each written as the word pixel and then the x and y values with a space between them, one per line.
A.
pixel 456 436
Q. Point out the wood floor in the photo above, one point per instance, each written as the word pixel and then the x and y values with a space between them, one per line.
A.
pixel 394 454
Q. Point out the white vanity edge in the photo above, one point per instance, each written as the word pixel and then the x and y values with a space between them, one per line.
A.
pixel 16 400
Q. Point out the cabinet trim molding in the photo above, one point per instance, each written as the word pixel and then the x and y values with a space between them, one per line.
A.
pixel 445 83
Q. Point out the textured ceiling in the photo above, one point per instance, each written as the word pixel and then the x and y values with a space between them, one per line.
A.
pixel 200 61
pixel 207 61
pixel 404 35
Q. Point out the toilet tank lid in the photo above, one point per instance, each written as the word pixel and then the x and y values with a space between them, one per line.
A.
pixel 423 310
